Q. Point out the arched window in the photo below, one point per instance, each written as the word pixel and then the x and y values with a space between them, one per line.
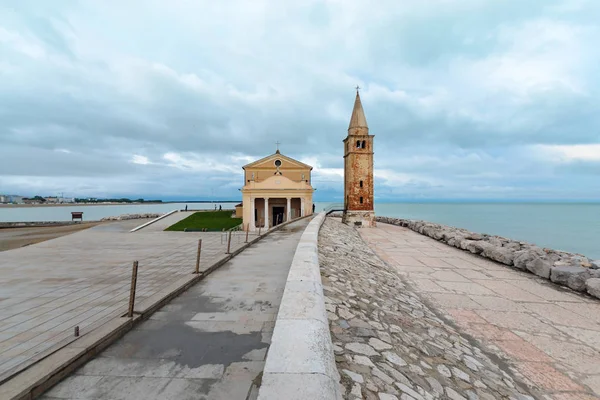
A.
pixel 358 144
pixel 361 183
pixel 361 200
pixel 364 144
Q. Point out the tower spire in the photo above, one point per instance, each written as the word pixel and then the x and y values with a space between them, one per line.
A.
pixel 358 121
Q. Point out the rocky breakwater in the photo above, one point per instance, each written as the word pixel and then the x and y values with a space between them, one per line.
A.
pixel 567 269
pixel 131 216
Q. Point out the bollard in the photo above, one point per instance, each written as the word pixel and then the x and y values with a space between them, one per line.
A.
pixel 247 230
pixel 77 331
pixel 229 243
pixel 132 292
pixel 198 256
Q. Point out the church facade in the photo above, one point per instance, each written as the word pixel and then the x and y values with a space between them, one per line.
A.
pixel 276 189
pixel 358 170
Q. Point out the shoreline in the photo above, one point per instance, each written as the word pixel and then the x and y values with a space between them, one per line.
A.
pixel 572 270
pixel 74 205
pixel 113 204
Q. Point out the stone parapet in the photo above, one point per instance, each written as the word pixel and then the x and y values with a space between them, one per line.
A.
pixel 300 363
pixel 563 268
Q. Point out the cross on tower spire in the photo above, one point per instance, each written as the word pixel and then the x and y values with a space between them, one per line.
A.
pixel 357 88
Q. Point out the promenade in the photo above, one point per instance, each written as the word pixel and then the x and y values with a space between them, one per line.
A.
pixel 83 279
pixel 549 336
pixel 208 343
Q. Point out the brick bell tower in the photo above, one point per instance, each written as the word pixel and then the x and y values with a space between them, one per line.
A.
pixel 358 170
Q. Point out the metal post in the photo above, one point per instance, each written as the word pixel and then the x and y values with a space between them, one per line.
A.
pixel 132 292
pixel 247 230
pixel 228 242
pixel 198 256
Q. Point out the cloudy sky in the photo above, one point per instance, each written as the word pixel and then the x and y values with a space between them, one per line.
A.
pixel 480 99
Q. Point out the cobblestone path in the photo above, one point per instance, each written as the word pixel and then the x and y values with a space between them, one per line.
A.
pixel 389 344
pixel 549 336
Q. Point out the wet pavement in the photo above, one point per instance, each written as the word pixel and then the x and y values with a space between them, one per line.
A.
pixel 209 343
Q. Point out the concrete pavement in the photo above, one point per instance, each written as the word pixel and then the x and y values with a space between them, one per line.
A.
pixel 550 336
pixel 83 280
pixel 209 343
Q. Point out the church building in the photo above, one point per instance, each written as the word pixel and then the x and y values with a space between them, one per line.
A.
pixel 358 170
pixel 276 189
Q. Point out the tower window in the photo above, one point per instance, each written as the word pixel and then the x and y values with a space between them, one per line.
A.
pixel 361 183
pixel 361 200
pixel 358 144
pixel 364 144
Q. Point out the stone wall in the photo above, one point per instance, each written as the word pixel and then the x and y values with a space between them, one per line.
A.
pixel 567 269
pixel 300 362
pixel 131 216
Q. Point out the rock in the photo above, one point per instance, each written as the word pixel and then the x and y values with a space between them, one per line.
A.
pixel 354 376
pixel 381 375
pixel 476 247
pixel 436 386
pixel 474 236
pixel 442 369
pixel 409 391
pixel 385 396
pixel 453 395
pixel 460 374
pixel 523 257
pixel 362 360
pixel 379 345
pixel 361 348
pixel 592 286
pixel 394 358
pixel 573 277
pixel 595 264
pixel 500 254
pixel 539 267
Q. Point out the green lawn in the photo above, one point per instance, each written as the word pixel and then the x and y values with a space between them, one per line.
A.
pixel 209 220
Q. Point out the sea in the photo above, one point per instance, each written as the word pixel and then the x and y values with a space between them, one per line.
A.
pixel 573 227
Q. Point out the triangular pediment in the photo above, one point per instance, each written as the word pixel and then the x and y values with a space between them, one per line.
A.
pixel 268 162
pixel 279 182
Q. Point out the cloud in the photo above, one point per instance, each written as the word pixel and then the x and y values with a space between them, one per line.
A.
pixel 466 98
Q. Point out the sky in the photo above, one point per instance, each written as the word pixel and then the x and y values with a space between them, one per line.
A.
pixel 477 99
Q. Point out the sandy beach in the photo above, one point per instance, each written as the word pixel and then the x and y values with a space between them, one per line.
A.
pixel 13 238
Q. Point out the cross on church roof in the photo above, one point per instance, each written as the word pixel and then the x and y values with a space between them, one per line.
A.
pixel 357 88
pixel 277 143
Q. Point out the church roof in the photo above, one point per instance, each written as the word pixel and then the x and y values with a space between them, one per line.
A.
pixel 358 121
pixel 277 154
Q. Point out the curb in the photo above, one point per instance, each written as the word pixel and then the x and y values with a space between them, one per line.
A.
pixel 137 228
pixel 300 362
pixel 47 372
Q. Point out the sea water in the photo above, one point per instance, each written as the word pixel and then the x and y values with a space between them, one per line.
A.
pixel 573 227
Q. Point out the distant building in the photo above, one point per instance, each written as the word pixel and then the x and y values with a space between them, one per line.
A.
pixel 16 199
pixel 9 198
pixel 52 200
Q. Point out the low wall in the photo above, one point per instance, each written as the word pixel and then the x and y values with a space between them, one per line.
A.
pixel 300 362
pixel 567 269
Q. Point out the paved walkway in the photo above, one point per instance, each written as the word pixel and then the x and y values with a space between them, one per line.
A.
pixel 209 343
pixel 83 280
pixel 549 335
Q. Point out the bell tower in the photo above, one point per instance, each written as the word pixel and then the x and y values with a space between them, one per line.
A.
pixel 358 170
